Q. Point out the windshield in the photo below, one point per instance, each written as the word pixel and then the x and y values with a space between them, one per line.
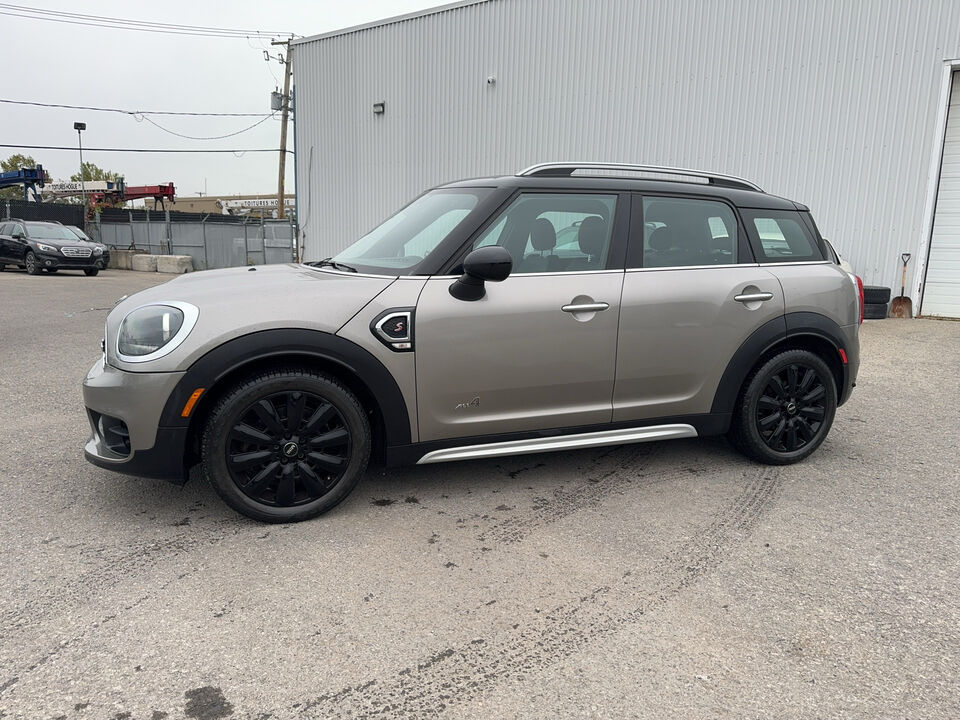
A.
pixel 42 231
pixel 402 241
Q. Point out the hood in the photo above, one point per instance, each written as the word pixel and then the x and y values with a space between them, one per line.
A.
pixel 239 301
pixel 61 242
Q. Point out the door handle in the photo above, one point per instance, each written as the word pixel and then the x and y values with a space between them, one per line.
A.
pixel 754 297
pixel 585 307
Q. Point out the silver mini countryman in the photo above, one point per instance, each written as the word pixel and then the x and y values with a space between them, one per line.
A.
pixel 569 306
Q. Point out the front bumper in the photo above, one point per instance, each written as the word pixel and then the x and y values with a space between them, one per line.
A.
pixel 134 401
pixel 51 261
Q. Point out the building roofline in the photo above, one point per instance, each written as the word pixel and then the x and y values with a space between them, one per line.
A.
pixel 389 21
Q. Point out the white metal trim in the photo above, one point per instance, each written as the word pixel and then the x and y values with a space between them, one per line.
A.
pixel 560 442
pixel 191 313
pixel 389 21
pixel 933 181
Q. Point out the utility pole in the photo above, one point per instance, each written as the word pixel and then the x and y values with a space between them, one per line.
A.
pixel 285 112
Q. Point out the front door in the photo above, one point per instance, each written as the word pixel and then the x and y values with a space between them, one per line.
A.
pixel 538 351
pixel 692 295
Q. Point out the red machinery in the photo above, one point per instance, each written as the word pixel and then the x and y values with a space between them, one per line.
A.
pixel 159 193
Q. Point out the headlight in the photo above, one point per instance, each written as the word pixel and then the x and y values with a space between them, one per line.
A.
pixel 153 331
pixel 98 250
pixel 47 248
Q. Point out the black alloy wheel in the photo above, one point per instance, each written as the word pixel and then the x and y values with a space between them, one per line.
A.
pixel 792 408
pixel 289 448
pixel 286 444
pixel 31 265
pixel 785 408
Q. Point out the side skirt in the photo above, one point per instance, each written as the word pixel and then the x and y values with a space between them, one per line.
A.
pixel 564 442
pixel 547 440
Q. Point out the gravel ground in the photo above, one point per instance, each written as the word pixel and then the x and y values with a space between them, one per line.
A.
pixel 668 580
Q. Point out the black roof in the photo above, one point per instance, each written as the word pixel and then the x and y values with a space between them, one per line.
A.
pixel 736 196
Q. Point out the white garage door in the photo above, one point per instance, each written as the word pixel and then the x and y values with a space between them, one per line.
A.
pixel 941 293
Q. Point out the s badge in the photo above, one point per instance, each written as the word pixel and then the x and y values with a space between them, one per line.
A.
pixel 394 328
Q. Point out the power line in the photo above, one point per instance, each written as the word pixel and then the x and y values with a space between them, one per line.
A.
pixel 142 150
pixel 132 112
pixel 123 24
pixel 211 137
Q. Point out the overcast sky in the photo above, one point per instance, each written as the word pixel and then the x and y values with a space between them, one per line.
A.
pixel 71 64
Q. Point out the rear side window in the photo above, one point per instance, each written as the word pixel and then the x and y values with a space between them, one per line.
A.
pixel 687 232
pixel 781 236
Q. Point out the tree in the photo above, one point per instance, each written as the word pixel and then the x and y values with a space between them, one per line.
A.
pixel 16 162
pixel 91 173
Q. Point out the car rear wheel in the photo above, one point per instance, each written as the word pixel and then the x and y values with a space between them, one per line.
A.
pixel 786 408
pixel 286 445
pixel 31 264
pixel 91 272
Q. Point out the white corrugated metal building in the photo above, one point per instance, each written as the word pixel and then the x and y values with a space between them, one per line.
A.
pixel 839 105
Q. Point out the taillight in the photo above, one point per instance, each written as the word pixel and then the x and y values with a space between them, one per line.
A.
pixel 860 296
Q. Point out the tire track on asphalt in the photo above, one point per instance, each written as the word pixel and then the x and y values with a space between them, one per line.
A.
pixel 599 483
pixel 112 572
pixel 454 675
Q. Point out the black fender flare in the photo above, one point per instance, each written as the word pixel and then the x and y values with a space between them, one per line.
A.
pixel 777 330
pixel 265 344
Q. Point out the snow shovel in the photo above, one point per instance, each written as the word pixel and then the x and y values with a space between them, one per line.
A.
pixel 902 307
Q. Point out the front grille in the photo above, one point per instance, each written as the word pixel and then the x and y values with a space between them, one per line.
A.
pixel 77 252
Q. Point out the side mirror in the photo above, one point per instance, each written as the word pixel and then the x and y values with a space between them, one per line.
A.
pixel 18 235
pixel 492 263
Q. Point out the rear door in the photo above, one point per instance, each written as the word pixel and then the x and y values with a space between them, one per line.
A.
pixel 538 351
pixel 692 294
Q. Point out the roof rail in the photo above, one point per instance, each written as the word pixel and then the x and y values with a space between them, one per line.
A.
pixel 566 169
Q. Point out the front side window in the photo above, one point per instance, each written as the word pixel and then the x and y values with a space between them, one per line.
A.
pixel 781 236
pixel 687 232
pixel 399 244
pixel 555 232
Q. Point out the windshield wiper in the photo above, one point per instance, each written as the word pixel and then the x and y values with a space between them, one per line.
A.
pixel 330 262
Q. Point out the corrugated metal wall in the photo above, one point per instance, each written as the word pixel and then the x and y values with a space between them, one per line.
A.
pixel 830 103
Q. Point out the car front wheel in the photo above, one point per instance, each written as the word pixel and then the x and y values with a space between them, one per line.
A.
pixel 91 272
pixel 31 264
pixel 785 409
pixel 286 445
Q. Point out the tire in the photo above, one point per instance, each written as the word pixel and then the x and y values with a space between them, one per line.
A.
pixel 273 476
pixel 772 422
pixel 31 265
pixel 52 270
pixel 2 267
pixel 873 311
pixel 875 295
pixel 91 272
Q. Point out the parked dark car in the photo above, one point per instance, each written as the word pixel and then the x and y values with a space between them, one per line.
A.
pixel 38 246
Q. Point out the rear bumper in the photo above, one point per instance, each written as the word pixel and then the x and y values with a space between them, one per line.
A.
pixel 133 402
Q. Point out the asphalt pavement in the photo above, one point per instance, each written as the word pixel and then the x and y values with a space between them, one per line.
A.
pixel 665 580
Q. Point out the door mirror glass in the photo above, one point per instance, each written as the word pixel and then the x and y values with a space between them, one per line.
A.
pixel 492 263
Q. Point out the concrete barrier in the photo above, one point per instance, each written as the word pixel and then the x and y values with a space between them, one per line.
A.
pixel 122 259
pixel 143 263
pixel 177 264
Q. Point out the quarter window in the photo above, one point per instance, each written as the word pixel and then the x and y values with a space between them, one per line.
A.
pixel 781 236
pixel 683 232
pixel 562 232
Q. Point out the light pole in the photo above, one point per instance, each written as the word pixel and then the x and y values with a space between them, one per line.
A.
pixel 80 127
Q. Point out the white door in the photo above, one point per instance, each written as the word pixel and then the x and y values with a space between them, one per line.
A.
pixel 941 290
